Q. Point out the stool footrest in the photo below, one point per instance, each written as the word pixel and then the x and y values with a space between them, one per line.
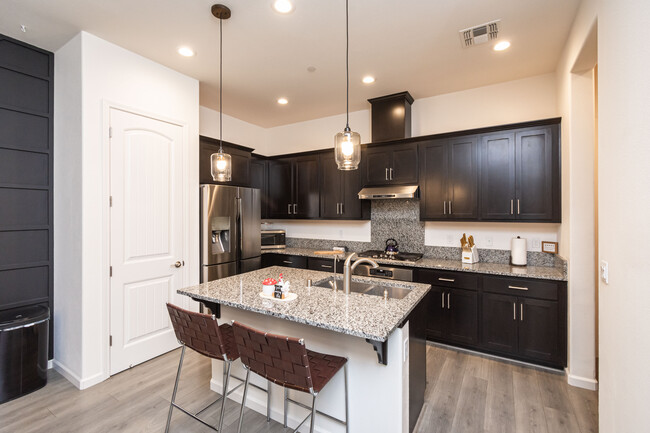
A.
pixel 304 406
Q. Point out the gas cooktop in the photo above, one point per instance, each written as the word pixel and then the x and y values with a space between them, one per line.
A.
pixel 399 257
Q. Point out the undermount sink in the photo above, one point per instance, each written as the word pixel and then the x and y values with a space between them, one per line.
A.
pixel 366 288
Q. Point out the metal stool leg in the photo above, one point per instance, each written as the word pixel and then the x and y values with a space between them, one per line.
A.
pixel 224 396
pixel 347 410
pixel 286 405
pixel 178 376
pixel 268 401
pixel 313 415
pixel 243 401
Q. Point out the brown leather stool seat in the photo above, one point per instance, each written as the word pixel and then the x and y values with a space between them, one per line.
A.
pixel 202 333
pixel 286 361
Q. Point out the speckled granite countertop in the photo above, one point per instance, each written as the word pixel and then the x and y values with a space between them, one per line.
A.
pixel 539 272
pixel 365 316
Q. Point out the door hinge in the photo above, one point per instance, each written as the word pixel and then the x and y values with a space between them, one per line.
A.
pixel 110 132
pixel 110 271
pixel 110 201
pixel 110 340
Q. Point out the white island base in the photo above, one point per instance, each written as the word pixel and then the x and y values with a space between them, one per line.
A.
pixel 378 394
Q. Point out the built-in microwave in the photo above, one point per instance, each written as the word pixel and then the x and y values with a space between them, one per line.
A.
pixel 273 239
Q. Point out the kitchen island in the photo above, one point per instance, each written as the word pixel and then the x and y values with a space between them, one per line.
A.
pixel 383 340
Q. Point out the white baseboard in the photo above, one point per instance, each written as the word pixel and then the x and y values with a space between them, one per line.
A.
pixel 50 364
pixel 581 382
pixel 76 380
pixel 259 406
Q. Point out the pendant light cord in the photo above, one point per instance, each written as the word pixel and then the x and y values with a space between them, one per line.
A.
pixel 221 84
pixel 347 69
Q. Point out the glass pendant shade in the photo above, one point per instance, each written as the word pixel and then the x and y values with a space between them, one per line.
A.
pixel 347 149
pixel 221 166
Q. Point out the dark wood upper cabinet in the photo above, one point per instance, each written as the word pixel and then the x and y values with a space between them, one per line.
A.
pixel 241 158
pixel 293 185
pixel 520 175
pixel 448 179
pixel 259 176
pixel 395 164
pixel 339 191
pixel 280 189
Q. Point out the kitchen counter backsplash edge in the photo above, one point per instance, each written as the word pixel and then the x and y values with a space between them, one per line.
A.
pixel 495 262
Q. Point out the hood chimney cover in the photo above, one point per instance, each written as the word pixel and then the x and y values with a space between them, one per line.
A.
pixel 391 117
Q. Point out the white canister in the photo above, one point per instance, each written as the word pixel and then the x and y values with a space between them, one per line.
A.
pixel 518 251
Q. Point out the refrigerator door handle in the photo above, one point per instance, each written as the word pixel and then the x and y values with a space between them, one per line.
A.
pixel 240 228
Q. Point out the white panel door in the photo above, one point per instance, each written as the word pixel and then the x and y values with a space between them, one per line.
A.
pixel 146 235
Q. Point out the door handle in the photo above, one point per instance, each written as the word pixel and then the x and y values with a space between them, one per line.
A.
pixel 386 173
pixel 511 206
pixel 337 209
pixel 521 312
pixel 450 207
pixel 341 208
pixel 514 311
pixel 391 174
pixel 444 207
pixel 289 208
pixel 518 207
pixel 295 206
pixel 178 264
pixel 449 300
pixel 240 228
pixel 443 300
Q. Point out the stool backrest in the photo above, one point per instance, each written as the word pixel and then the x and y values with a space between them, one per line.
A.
pixel 280 359
pixel 197 331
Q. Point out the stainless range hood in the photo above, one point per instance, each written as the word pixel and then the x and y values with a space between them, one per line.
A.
pixel 389 192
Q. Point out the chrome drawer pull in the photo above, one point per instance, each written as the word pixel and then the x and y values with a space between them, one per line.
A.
pixel 449 280
pixel 287 262
pixel 326 266
pixel 518 288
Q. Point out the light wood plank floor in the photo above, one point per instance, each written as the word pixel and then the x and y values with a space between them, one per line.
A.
pixel 465 393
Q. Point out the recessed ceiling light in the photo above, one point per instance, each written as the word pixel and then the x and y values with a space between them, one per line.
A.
pixel 283 101
pixel 503 45
pixel 283 6
pixel 186 51
pixel 368 79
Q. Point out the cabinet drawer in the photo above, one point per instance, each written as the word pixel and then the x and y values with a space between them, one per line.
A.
pixel 459 280
pixel 325 265
pixel 292 261
pixel 521 287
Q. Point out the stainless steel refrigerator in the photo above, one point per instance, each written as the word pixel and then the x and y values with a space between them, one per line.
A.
pixel 230 231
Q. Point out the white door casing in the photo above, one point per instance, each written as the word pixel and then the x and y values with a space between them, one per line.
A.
pixel 146 235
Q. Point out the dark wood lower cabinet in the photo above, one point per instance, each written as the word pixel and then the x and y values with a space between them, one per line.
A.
pixel 462 316
pixel 538 329
pixel 499 324
pixel 273 259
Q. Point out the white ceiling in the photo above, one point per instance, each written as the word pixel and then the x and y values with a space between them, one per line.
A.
pixel 408 45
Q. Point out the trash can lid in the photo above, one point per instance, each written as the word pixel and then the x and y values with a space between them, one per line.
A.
pixel 23 316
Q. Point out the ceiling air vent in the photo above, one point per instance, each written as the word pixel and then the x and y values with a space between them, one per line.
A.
pixel 480 34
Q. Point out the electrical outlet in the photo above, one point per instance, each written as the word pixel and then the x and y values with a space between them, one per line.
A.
pixel 489 241
pixel 536 244
pixel 450 239
pixel 604 271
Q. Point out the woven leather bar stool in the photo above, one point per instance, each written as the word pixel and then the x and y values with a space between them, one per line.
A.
pixel 201 333
pixel 287 362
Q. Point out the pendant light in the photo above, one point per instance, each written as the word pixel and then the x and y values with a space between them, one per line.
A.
pixel 221 163
pixel 347 144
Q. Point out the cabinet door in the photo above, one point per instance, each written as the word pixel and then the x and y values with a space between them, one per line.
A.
pixel 352 207
pixel 462 316
pixel 258 180
pixel 305 183
pixel 534 174
pixel 436 300
pixel 376 166
pixel 498 176
pixel 499 323
pixel 539 329
pixel 433 179
pixel 405 164
pixel 463 178
pixel 280 191
pixel 330 187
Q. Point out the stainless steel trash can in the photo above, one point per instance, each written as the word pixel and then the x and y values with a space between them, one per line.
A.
pixel 23 350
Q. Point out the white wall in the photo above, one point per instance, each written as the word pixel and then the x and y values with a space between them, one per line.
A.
pixel 234 130
pixel 67 206
pixel 515 101
pixel 109 74
pixel 624 213
pixel 578 232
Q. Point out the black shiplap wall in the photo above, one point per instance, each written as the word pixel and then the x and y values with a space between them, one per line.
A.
pixel 26 128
